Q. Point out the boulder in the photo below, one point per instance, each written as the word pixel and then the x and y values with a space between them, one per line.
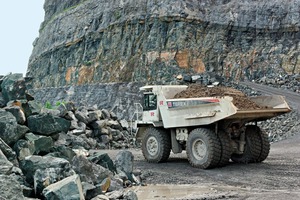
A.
pixel 8 152
pixel 45 177
pixel 45 124
pixel 122 194
pixel 124 124
pixel 62 152
pixel 88 171
pixel 17 113
pixel 24 148
pixel 8 127
pixel 10 188
pixel 114 125
pixel 102 159
pixel 70 116
pixel 105 114
pixel 67 189
pixel 41 144
pixel 2 101
pixel 31 163
pixel 31 108
pixel 124 162
pixel 62 110
pixel 5 165
pixel 13 87
pixel 70 106
pixel 94 116
pixel 82 116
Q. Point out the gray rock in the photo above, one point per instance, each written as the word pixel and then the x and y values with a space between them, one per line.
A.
pixel 5 165
pixel 115 184
pixel 130 195
pixel 31 108
pixel 88 171
pixel 42 144
pixel 2 101
pixel 63 139
pixel 103 159
pixel 124 124
pixel 105 114
pixel 62 110
pixel 70 106
pixel 81 141
pixel 45 177
pixel 8 127
pixel 10 188
pixel 74 125
pixel 99 124
pixel 114 125
pixel 124 161
pixel 18 113
pixel 30 164
pixel 23 148
pixel 45 124
pixel 82 116
pixel 113 116
pixel 13 87
pixel 22 130
pixel 62 152
pixel 70 116
pixel 94 116
pixel 8 152
pixel 105 139
pixel 53 112
pixel 66 189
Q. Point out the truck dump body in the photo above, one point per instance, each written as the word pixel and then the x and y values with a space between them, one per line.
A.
pixel 274 106
pixel 184 112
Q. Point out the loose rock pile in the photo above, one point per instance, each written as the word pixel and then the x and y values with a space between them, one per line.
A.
pixel 240 100
pixel 44 152
pixel 287 82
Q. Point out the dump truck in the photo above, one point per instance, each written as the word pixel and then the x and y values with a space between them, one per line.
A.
pixel 212 130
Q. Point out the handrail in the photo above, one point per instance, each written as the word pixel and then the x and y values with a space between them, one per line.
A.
pixel 136 114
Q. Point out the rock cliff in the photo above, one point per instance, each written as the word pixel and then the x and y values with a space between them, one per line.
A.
pixel 100 41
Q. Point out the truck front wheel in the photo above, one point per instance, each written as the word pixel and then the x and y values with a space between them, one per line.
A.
pixel 156 145
pixel 203 148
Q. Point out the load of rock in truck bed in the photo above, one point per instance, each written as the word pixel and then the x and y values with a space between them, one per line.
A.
pixel 240 100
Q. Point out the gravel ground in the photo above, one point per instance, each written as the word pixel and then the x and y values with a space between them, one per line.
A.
pixel 278 177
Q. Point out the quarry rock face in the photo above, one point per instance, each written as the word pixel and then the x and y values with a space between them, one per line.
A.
pixel 100 41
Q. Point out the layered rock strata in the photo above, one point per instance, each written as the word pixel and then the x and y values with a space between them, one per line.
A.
pixel 100 41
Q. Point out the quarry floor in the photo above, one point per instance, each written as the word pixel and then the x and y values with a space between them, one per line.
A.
pixel 278 177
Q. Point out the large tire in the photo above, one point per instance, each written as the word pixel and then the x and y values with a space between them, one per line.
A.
pixel 226 149
pixel 262 140
pixel 253 146
pixel 203 148
pixel 156 145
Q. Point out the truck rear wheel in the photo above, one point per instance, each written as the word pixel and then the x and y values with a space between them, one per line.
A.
pixel 156 145
pixel 262 142
pixel 253 148
pixel 226 149
pixel 203 148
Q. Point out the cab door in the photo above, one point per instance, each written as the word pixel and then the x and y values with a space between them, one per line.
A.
pixel 150 108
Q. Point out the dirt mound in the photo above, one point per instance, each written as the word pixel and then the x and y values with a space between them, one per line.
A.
pixel 240 100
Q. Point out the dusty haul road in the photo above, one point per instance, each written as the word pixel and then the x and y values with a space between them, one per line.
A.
pixel 278 177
